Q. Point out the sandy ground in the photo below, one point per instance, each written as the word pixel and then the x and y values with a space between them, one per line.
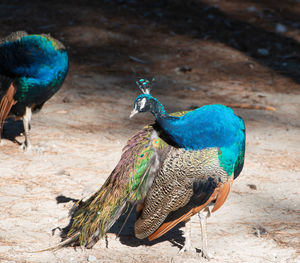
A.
pixel 199 52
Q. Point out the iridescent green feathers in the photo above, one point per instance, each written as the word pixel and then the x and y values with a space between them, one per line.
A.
pixel 32 69
pixel 126 184
pixel 151 156
pixel 205 127
pixel 37 65
pixel 209 128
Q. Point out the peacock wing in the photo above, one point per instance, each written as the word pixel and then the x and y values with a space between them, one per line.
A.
pixel 7 92
pixel 186 182
pixel 7 88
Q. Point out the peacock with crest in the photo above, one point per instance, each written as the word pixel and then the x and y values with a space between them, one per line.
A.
pixel 183 164
pixel 32 69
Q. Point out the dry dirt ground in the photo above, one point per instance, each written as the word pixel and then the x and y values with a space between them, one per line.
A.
pixel 200 52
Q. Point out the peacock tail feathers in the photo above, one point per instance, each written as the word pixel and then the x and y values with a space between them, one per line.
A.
pixel 198 171
pixel 168 182
pixel 7 100
pixel 128 183
pixel 176 184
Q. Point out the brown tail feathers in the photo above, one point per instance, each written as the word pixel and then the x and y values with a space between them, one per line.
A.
pixel 219 195
pixel 6 103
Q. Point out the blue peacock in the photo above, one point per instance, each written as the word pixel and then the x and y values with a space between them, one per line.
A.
pixel 32 69
pixel 183 164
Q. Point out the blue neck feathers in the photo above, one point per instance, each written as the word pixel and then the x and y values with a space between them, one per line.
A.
pixel 208 126
pixel 156 108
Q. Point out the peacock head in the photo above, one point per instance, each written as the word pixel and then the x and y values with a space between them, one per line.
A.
pixel 142 104
pixel 145 102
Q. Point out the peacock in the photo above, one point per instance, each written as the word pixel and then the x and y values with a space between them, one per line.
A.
pixel 181 165
pixel 32 69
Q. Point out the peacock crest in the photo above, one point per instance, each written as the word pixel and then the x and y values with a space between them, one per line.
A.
pixel 145 85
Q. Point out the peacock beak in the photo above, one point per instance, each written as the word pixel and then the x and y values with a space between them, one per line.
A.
pixel 134 111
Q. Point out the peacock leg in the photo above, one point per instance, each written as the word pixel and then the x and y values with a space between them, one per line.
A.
pixel 203 215
pixel 26 122
pixel 187 234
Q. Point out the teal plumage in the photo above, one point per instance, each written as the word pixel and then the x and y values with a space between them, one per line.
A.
pixel 168 182
pixel 198 180
pixel 208 126
pixel 32 69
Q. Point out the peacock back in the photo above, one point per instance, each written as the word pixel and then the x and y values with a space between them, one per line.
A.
pixel 37 65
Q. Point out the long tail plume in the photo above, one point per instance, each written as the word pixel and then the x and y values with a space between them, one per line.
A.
pixel 92 218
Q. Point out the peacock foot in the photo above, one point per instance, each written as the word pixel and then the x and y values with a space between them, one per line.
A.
pixel 186 248
pixel 205 255
pixel 26 147
pixel 32 149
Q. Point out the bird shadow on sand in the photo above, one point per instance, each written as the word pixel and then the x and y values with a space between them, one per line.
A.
pixel 123 228
pixel 126 235
pixel 63 199
pixel 12 129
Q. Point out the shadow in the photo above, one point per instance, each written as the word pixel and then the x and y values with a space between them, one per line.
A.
pixel 63 199
pixel 275 12
pixel 123 228
pixel 12 129
pixel 280 219
pixel 112 30
pixel 64 231
pixel 126 236
pixel 207 22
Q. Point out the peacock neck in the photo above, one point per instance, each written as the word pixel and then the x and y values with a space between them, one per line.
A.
pixel 165 120
pixel 156 108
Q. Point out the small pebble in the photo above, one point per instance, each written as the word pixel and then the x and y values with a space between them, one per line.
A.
pixel 183 69
pixel 263 51
pixel 67 99
pixel 63 172
pixel 252 9
pixel 61 112
pixel 259 231
pixel 252 186
pixel 91 258
pixel 280 28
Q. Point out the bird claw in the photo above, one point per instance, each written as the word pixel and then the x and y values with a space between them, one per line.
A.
pixel 26 148
pixel 185 248
pixel 205 255
pixel 31 149
pixel 189 248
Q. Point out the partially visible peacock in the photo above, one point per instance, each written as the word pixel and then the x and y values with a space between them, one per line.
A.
pixel 32 69
pixel 183 164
